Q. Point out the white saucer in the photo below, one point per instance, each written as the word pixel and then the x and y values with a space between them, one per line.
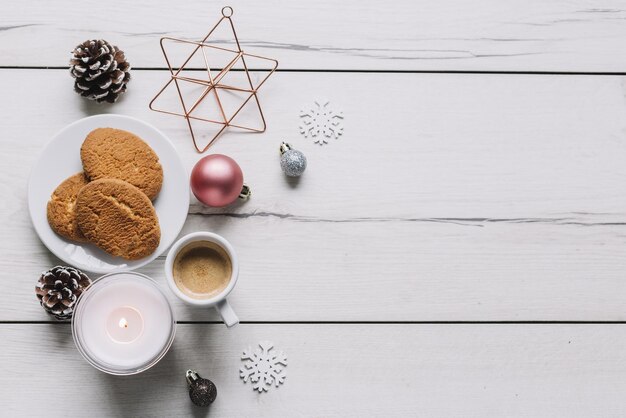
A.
pixel 61 158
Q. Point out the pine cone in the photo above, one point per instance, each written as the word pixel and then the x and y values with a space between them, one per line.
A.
pixel 100 69
pixel 58 290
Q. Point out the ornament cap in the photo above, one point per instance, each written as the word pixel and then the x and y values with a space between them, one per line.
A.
pixel 191 376
pixel 245 192
pixel 284 147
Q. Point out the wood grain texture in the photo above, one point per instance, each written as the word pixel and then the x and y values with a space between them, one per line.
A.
pixel 334 371
pixel 515 35
pixel 450 197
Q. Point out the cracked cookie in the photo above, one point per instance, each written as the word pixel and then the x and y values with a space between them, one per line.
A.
pixel 118 154
pixel 61 209
pixel 119 218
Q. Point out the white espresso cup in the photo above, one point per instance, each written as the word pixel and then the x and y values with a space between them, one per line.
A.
pixel 219 301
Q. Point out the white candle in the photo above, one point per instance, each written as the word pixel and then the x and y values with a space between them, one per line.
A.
pixel 123 324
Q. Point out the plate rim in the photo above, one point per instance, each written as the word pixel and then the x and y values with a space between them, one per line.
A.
pixel 140 263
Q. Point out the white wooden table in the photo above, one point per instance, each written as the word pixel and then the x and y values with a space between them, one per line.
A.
pixel 459 252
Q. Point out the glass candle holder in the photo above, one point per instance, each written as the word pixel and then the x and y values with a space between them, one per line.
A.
pixel 123 324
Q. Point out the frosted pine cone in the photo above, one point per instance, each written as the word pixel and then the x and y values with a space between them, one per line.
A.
pixel 100 69
pixel 58 290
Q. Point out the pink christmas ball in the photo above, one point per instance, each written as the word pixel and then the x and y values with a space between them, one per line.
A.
pixel 216 180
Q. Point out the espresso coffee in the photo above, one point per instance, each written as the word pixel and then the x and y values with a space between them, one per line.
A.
pixel 202 269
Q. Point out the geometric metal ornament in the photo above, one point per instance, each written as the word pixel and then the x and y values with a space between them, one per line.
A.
pixel 212 82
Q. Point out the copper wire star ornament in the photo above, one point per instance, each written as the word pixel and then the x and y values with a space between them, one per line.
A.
pixel 213 82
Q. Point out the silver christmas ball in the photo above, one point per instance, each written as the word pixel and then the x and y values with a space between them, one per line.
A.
pixel 292 161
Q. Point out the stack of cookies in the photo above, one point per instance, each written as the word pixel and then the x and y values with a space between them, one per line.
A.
pixel 110 203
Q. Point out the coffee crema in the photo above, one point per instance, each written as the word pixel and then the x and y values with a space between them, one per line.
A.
pixel 202 269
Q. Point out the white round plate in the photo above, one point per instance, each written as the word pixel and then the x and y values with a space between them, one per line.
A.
pixel 61 158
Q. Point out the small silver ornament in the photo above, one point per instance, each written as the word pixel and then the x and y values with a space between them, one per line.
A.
pixel 292 161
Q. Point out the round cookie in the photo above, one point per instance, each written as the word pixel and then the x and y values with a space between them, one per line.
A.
pixel 118 218
pixel 61 208
pixel 118 154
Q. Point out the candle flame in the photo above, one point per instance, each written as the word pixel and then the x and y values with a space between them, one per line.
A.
pixel 123 323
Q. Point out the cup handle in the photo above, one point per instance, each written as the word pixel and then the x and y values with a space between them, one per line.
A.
pixel 227 313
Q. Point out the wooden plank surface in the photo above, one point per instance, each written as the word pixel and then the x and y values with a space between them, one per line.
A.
pixel 486 198
pixel 515 35
pixel 334 371
pixel 461 198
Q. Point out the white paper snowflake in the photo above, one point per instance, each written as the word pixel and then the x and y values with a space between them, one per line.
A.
pixel 263 366
pixel 321 122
